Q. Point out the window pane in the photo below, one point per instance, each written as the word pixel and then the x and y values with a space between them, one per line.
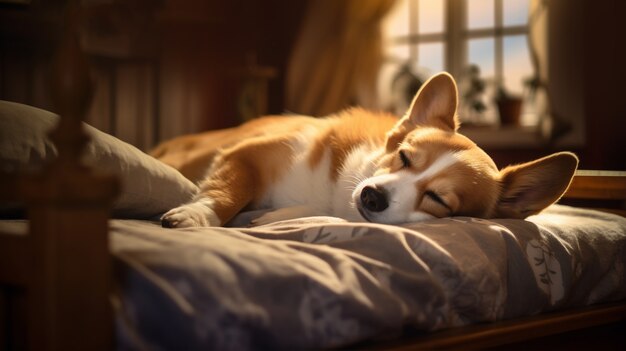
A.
pixel 396 23
pixel 430 58
pixel 517 65
pixel 397 52
pixel 430 16
pixel 480 14
pixel 481 54
pixel 515 12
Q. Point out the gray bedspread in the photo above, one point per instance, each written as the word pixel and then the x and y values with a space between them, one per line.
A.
pixel 322 282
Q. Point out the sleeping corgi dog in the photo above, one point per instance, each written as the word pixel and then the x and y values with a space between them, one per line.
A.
pixel 359 165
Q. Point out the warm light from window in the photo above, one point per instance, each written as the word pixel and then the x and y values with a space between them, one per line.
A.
pixel 480 14
pixel 481 52
pixel 430 56
pixel 515 12
pixel 491 34
pixel 430 16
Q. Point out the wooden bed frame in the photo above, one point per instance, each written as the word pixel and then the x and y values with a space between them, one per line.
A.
pixel 55 283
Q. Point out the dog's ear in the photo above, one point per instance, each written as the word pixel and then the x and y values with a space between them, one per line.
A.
pixel 434 105
pixel 530 187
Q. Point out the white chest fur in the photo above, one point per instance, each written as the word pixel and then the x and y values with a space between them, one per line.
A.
pixel 302 185
pixel 314 187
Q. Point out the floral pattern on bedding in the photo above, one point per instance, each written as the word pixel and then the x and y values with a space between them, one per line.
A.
pixel 547 269
pixel 322 282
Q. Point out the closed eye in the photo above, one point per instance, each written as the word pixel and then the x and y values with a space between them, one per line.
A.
pixel 406 163
pixel 436 198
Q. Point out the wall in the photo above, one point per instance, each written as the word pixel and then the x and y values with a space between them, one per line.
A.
pixel 161 68
pixel 604 77
pixel 588 75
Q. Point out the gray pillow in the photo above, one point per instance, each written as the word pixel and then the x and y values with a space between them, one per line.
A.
pixel 149 187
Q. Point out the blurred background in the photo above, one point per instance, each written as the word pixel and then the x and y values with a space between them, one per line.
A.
pixel 535 76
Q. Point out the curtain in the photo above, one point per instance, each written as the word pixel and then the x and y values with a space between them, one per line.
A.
pixel 551 125
pixel 337 57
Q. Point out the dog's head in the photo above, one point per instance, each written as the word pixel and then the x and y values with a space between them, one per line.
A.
pixel 429 170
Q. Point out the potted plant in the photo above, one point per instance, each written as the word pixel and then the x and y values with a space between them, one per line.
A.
pixel 473 90
pixel 509 107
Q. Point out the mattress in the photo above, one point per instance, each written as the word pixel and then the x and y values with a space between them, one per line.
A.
pixel 323 282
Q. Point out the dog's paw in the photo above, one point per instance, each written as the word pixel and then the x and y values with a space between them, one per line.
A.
pixel 196 214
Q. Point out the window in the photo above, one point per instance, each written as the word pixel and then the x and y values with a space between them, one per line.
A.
pixel 428 36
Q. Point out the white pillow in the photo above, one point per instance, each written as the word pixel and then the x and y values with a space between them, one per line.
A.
pixel 149 187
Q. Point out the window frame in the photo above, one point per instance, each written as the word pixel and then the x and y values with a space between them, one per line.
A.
pixel 455 36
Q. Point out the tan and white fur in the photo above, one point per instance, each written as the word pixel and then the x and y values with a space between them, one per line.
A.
pixel 361 166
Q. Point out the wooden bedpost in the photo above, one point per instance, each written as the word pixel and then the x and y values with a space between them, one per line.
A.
pixel 68 207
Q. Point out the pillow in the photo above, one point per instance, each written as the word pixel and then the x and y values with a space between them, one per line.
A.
pixel 149 187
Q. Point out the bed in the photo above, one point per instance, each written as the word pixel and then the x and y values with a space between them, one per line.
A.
pixel 91 268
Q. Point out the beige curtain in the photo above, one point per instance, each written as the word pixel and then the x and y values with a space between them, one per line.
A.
pixel 551 125
pixel 337 56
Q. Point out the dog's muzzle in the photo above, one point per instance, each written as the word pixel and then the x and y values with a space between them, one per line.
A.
pixel 374 199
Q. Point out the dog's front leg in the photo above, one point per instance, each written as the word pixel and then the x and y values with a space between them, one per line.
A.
pixel 228 189
pixel 238 177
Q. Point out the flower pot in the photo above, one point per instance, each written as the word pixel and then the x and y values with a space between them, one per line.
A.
pixel 510 110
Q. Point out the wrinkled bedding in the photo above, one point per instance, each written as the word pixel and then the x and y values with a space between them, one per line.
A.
pixel 322 282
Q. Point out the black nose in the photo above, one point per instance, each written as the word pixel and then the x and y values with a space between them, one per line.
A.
pixel 373 199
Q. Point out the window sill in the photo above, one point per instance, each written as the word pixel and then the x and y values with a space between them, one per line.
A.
pixel 504 137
